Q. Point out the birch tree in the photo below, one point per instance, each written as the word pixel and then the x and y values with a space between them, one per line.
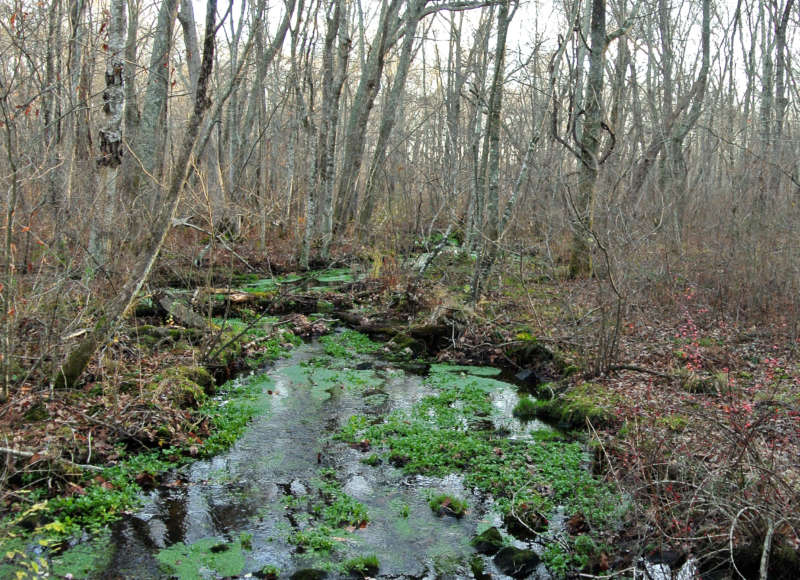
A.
pixel 110 135
pixel 106 326
pixel 491 148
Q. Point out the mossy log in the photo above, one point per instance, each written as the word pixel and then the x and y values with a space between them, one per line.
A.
pixel 180 311
pixel 428 333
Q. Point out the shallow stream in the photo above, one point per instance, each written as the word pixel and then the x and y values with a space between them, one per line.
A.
pixel 245 511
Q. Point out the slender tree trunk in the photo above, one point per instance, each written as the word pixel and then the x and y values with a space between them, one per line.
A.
pixel 581 253
pixel 150 140
pixel 393 105
pixel 111 134
pixel 128 176
pixel 363 101
pixel 331 120
pixel 105 328
pixel 491 233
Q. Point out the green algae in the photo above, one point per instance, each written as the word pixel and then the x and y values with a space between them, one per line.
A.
pixel 204 558
pixel 84 560
pixel 447 433
pixel 469 370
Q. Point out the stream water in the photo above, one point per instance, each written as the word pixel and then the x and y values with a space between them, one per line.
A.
pixel 237 514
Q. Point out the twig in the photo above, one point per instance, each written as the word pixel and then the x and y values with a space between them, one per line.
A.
pixel 28 455
pixel 612 575
pixel 639 369
pixel 115 428
pixel 764 567
pixel 185 222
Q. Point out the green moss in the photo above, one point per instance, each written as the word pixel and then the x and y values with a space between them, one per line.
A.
pixel 448 505
pixel 190 562
pixel 347 343
pixel 72 369
pixel 180 390
pixel 331 510
pixel 676 423
pixel 478 568
pixel 200 376
pixel 470 370
pixel 581 402
pixel 317 539
pixel 445 433
pixel 362 566
pixel 268 572
pixel 334 275
pixel 372 460
pixel 570 370
pixel 245 400
pixel 400 342
pixel 37 412
pixel 525 409
pixel 86 559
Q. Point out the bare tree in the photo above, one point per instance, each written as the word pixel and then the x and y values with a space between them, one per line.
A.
pixel 75 364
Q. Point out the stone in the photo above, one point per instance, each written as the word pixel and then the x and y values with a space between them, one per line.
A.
pixel 516 562
pixel 489 542
pixel 297 489
pixel 309 574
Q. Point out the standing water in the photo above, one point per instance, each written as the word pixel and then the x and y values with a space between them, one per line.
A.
pixel 306 492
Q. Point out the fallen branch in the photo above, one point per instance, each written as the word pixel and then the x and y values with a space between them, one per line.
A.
pixel 389 328
pixel 29 455
pixel 186 223
pixel 639 369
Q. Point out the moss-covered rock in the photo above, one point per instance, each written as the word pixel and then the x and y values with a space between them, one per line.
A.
pixel 179 387
pixel 580 402
pixel 401 341
pixel 200 376
pixel 478 568
pixel 488 542
pixel 515 562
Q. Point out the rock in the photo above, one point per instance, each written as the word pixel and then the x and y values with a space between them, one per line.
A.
pixel 489 542
pixel 657 571
pixel 577 524
pixel 200 376
pixel 524 524
pixel 309 574
pixel 358 487
pixel 297 489
pixel 180 311
pixel 516 562
pixel 688 571
pixel 478 568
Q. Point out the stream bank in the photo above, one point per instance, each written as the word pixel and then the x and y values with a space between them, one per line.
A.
pixel 326 479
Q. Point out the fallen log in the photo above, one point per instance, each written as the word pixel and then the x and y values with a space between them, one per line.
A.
pixel 29 455
pixel 426 332
pixel 180 312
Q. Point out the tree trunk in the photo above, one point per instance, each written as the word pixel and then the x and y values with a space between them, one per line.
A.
pixel 106 326
pixel 111 134
pixel 580 263
pixel 363 101
pixel 413 13
pixel 151 137
pixel 492 155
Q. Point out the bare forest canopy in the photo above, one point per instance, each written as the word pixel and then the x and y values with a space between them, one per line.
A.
pixel 622 139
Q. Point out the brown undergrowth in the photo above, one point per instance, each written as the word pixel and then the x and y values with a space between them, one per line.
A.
pixel 698 407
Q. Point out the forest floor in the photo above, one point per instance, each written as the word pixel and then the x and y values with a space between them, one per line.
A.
pixel 691 414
